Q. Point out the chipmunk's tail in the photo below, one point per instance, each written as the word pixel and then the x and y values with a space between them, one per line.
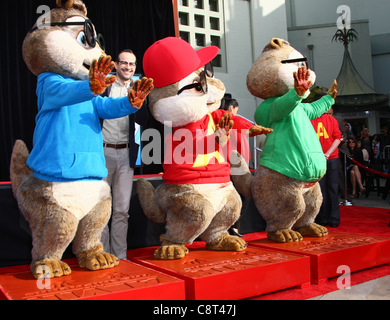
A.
pixel 18 168
pixel 241 175
pixel 145 192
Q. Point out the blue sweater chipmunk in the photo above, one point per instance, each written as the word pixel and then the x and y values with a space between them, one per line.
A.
pixel 68 129
pixel 59 186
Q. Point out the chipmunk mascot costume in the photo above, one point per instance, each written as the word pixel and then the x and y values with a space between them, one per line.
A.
pixel 197 198
pixel 285 185
pixel 59 186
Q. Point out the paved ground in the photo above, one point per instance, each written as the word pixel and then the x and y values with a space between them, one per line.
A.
pixel 378 289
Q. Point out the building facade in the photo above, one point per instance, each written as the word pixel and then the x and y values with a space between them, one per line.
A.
pixel 242 28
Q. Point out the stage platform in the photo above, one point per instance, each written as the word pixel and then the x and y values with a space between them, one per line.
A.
pixel 221 275
pixel 264 267
pixel 332 255
pixel 127 281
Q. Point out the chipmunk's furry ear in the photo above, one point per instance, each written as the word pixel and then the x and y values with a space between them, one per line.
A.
pixel 72 4
pixel 64 4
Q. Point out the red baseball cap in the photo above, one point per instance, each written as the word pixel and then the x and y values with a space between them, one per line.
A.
pixel 172 59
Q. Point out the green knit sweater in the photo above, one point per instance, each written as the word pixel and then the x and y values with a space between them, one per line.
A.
pixel 293 148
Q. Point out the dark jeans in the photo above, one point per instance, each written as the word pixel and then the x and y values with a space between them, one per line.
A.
pixel 330 210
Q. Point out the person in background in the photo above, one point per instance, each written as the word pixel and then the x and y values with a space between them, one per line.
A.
pixel 375 147
pixel 366 140
pixel 231 105
pixel 354 171
pixel 241 140
pixel 366 154
pixel 240 137
pixel 342 154
pixel 329 134
pixel 384 138
pixel 348 130
pixel 121 151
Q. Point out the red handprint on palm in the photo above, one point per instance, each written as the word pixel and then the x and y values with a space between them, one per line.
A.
pixel 301 81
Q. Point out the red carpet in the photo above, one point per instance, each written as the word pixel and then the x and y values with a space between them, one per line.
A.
pixel 359 220
pixel 364 220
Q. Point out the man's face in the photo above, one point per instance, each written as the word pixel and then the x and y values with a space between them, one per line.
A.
pixel 125 67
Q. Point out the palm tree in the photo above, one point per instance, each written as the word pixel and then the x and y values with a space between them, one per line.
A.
pixel 345 36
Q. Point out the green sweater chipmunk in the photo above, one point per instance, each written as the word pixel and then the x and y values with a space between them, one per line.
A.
pixel 285 185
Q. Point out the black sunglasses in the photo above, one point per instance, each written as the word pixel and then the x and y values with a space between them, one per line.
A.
pixel 88 31
pixel 200 86
pixel 295 60
pixel 304 59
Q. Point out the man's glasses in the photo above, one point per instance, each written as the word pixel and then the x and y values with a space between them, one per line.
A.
pixel 125 63
pixel 201 86
pixel 89 31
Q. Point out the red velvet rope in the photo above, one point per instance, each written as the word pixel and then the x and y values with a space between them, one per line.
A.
pixel 382 174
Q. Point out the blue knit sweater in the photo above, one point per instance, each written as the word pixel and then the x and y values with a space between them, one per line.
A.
pixel 68 142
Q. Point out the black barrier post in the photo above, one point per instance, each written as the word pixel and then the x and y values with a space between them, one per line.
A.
pixel 345 202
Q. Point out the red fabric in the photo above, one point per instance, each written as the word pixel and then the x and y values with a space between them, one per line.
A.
pixel 327 129
pixel 238 135
pixel 172 59
pixel 185 162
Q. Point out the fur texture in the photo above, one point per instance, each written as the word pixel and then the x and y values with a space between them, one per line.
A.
pixel 61 212
pixel 268 77
pixel 190 210
pixel 54 49
pixel 288 205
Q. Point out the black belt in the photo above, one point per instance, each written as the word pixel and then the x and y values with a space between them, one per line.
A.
pixel 116 146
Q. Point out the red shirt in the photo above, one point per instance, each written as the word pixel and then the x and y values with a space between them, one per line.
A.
pixel 239 138
pixel 327 129
pixel 194 157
